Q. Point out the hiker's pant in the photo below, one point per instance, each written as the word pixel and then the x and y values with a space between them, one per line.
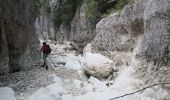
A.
pixel 45 59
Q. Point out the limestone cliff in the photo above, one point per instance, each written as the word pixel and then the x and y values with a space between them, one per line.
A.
pixel 18 40
pixel 142 28
pixel 52 25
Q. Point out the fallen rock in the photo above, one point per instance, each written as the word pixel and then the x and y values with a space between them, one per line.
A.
pixel 56 89
pixel 44 94
pixel 7 93
pixel 54 79
pixel 82 75
pixel 98 66
pixel 49 63
pixel 51 92
pixel 78 83
pixel 97 85
pixel 73 62
pixel 88 87
pixel 67 97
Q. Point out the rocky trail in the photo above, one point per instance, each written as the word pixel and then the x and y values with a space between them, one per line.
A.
pixel 127 49
pixel 68 81
pixel 26 83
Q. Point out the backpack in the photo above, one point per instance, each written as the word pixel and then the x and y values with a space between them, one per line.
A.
pixel 47 49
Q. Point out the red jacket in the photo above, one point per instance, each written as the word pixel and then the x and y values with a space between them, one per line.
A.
pixel 44 49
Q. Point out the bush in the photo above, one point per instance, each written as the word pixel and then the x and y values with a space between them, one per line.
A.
pixel 121 3
pixel 38 5
pixel 65 12
pixel 56 17
pixel 92 11
pixel 114 6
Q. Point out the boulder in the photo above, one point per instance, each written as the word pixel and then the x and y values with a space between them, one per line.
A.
pixel 51 92
pixel 88 87
pixel 82 75
pixel 72 62
pixel 97 65
pixel 77 83
pixel 7 94
pixel 54 79
pixel 49 63
pixel 44 94
pixel 97 85
pixel 67 97
pixel 56 89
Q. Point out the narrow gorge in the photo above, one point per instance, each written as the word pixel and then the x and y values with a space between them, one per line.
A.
pixel 101 49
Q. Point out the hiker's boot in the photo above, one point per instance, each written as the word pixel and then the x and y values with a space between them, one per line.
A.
pixel 43 64
pixel 46 67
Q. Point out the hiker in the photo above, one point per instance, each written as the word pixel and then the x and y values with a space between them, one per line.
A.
pixel 46 50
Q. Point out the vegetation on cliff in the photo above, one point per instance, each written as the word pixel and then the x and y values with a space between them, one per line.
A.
pixel 64 13
pixel 97 8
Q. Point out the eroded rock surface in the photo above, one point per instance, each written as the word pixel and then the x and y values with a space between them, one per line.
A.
pixel 17 35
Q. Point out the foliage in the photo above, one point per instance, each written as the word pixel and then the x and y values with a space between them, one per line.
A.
pixel 38 4
pixel 56 17
pixel 65 12
pixel 98 8
pixel 121 3
pixel 92 12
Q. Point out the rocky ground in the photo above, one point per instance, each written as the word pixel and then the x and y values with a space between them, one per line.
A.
pixel 69 82
pixel 26 83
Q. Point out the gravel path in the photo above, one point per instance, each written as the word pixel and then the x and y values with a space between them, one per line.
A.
pixel 25 83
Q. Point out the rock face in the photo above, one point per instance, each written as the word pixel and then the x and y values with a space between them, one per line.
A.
pixel 78 27
pixel 119 31
pixel 153 52
pixel 142 27
pixel 44 25
pixel 17 38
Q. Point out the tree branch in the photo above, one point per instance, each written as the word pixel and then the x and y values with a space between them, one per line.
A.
pixel 139 90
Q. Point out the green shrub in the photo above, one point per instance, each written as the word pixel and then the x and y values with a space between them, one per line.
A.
pixel 114 6
pixel 92 11
pixel 38 4
pixel 121 3
pixel 64 13
pixel 57 16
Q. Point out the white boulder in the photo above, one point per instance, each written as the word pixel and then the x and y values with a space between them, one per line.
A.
pixel 55 79
pixel 73 62
pixel 7 94
pixel 77 83
pixel 51 92
pixel 44 94
pixel 67 97
pixel 97 65
pixel 56 89
pixel 97 85
pixel 88 87
pixel 82 75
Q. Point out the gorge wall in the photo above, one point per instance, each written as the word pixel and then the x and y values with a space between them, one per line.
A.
pixel 60 23
pixel 24 24
pixel 142 28
pixel 18 41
